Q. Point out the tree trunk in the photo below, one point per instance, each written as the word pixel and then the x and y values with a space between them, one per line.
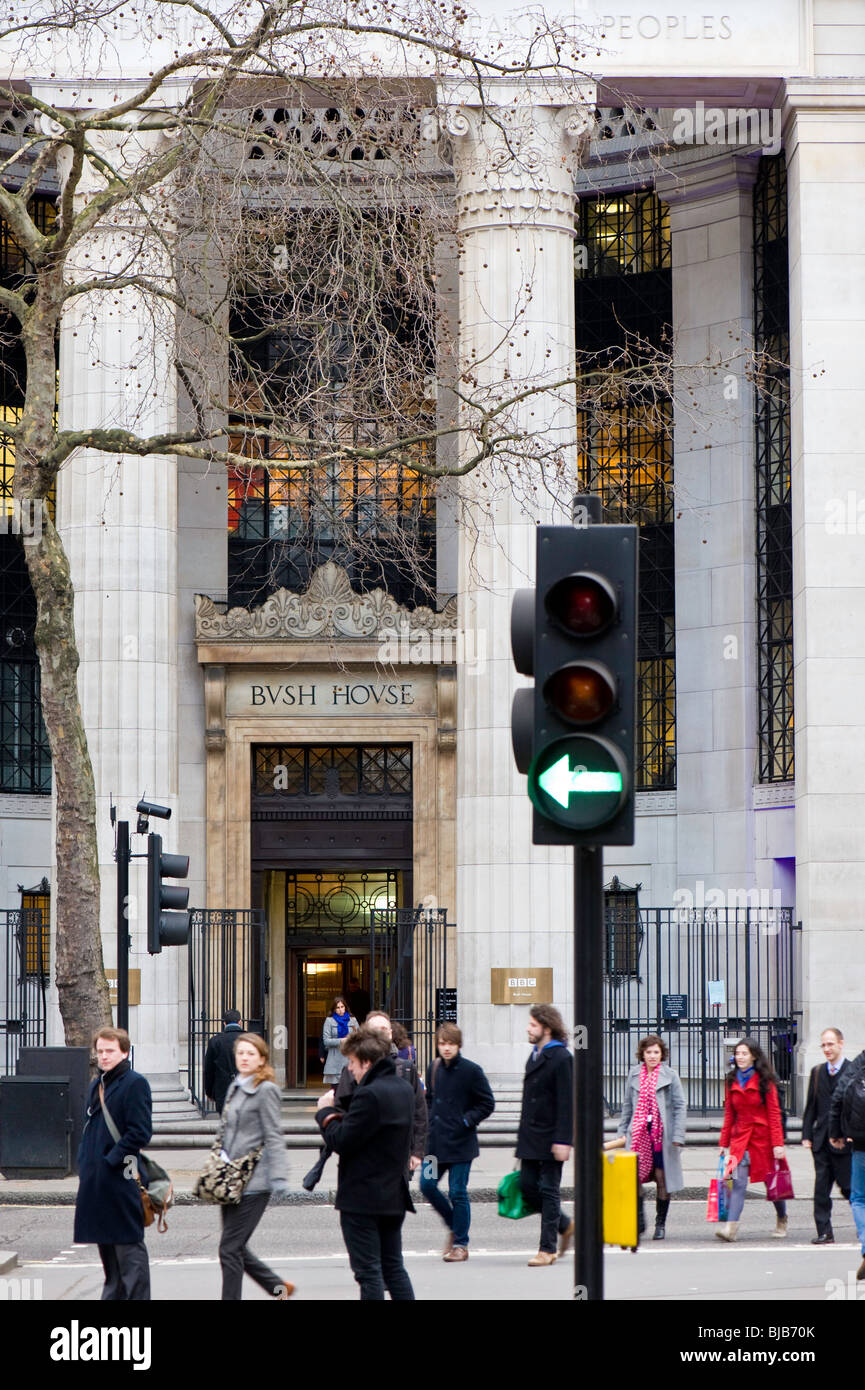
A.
pixel 79 971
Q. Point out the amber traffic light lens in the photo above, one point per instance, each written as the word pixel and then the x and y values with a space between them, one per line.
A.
pixel 580 694
pixel 582 605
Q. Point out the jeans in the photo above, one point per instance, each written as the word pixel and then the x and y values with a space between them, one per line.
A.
pixel 541 1181
pixel 456 1213
pixel 374 1245
pixel 857 1194
pixel 740 1187
pixel 238 1224
pixel 127 1273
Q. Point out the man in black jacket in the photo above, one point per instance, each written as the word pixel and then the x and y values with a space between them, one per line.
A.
pixel 373 1140
pixel 459 1097
pixel 108 1210
pixel 219 1068
pixel 830 1165
pixel 546 1132
pixel 847 1125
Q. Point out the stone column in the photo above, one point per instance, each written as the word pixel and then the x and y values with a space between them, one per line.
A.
pixel 117 516
pixel 716 677
pixel 824 128
pixel 515 201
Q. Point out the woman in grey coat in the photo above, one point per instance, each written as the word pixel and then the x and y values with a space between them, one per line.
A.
pixel 337 1026
pixel 653 1119
pixel 251 1117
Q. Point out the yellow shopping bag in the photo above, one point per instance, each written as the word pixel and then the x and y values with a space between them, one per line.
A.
pixel 620 1199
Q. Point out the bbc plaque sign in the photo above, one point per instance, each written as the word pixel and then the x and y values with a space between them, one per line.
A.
pixel 521 984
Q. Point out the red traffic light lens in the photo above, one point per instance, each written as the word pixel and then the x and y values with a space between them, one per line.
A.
pixel 581 694
pixel 583 604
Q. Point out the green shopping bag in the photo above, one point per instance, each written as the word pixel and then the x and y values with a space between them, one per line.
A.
pixel 512 1203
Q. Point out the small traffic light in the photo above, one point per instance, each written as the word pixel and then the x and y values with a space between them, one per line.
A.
pixel 165 928
pixel 573 734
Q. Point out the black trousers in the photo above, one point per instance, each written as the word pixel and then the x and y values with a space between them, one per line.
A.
pixel 830 1166
pixel 235 1256
pixel 541 1183
pixel 127 1273
pixel 374 1245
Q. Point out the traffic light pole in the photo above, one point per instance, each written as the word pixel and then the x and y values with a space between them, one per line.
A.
pixel 122 857
pixel 589 1072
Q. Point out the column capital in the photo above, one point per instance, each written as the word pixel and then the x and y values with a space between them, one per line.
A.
pixel 515 165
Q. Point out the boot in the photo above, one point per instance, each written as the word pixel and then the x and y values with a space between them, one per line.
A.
pixel 727 1230
pixel 780 1227
pixel 662 1206
pixel 641 1217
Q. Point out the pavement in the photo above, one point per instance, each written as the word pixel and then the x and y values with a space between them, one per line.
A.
pixel 698 1163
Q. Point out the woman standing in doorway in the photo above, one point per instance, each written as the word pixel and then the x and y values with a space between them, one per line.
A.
pixel 653 1118
pixel 753 1135
pixel 337 1026
pixel 251 1119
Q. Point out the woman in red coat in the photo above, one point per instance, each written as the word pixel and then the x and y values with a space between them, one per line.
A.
pixel 752 1137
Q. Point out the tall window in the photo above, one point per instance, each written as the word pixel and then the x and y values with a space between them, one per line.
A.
pixel 772 428
pixel 25 760
pixel 36 918
pixel 332 363
pixel 624 303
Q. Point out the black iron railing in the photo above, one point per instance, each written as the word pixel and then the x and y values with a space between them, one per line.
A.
pixel 701 978
pixel 227 970
pixel 409 966
pixel 25 982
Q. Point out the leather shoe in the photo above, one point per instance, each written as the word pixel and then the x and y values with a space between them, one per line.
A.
pixel 543 1257
pixel 565 1238
pixel 457 1255
pixel 826 1238
pixel 860 1273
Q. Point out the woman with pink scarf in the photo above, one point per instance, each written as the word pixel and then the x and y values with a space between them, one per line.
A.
pixel 653 1119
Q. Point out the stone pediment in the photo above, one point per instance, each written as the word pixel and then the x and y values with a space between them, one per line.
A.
pixel 329 608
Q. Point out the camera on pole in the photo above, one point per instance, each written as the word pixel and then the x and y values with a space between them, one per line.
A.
pixel 573 734
pixel 166 924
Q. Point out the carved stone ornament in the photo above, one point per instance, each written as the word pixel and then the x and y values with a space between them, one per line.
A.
pixel 329 608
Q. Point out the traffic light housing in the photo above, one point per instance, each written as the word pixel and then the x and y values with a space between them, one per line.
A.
pixel 166 926
pixel 573 734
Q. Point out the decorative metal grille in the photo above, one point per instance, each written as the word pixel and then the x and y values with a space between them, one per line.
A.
pixel 25 759
pixel 772 429
pixel 624 932
pixel 335 906
pixel 304 770
pixel 624 297
pixel 22 1001
pixel 36 916
pixel 409 969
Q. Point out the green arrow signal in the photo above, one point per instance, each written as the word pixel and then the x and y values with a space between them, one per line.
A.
pixel 559 781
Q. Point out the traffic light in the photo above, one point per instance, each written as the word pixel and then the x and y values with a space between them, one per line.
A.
pixel 165 928
pixel 573 734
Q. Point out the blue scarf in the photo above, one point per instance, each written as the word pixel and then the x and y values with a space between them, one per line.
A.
pixel 743 1076
pixel 342 1021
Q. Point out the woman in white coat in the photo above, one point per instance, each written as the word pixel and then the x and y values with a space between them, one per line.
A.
pixel 653 1119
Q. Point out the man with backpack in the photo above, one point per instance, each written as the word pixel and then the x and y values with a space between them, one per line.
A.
pixel 847 1126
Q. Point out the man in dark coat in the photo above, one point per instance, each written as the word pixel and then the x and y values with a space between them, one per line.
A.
pixel 459 1097
pixel 219 1068
pixel 373 1140
pixel 546 1132
pixel 108 1210
pixel 847 1127
pixel 408 1071
pixel 830 1166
